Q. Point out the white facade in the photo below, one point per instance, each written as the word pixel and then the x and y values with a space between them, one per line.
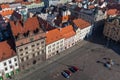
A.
pixel 54 48
pixel 100 15
pixel 56 2
pixel 9 65
pixel 85 32
pixel 82 33
pixel 77 36
pixel 6 1
pixel 69 42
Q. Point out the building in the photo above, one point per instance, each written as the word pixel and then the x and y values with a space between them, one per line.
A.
pixel 29 40
pixel 113 10
pixel 33 6
pixel 6 1
pixel 83 29
pixel 55 2
pixel 69 35
pixel 112 13
pixel 112 29
pixel 9 64
pixel 54 44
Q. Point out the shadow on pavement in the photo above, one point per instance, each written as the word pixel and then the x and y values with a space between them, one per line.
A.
pixel 97 37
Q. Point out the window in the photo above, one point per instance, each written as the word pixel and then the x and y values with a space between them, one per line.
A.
pixel 38 48
pixel 57 43
pixel 38 53
pixel 26 47
pixel 33 45
pixel 21 50
pixel 6 69
pixel 16 64
pixel 27 58
pixel 42 51
pixel 49 47
pixel 22 59
pixel 5 64
pixel 15 59
pixel 61 41
pixel 33 50
pixel 57 47
pixel 53 45
pixel 9 61
pixel 42 42
pixel 10 67
pixel 26 52
pixel 33 55
pixel 38 44
pixel 21 54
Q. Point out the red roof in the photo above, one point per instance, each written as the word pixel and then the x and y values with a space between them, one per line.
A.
pixel 4 6
pixel 7 12
pixel 30 24
pixel 57 34
pixel 112 12
pixel 67 31
pixel 80 23
pixel 6 51
pixel 53 35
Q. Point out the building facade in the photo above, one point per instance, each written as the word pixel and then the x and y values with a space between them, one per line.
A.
pixel 112 30
pixel 30 42
pixel 69 35
pixel 84 29
pixel 9 64
pixel 54 44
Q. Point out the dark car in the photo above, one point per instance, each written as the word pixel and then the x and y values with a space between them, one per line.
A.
pixel 65 75
pixel 68 72
pixel 73 69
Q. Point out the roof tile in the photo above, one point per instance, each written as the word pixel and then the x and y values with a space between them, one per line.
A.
pixel 30 24
pixel 50 38
pixel 80 23
pixel 6 51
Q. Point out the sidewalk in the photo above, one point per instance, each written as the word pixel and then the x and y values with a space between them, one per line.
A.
pixel 47 62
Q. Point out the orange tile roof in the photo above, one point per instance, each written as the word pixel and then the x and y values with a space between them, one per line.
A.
pixel 6 51
pixel 7 12
pixel 80 23
pixel 112 12
pixel 30 24
pixel 67 31
pixel 37 1
pixel 4 6
pixel 26 3
pixel 77 0
pixel 53 35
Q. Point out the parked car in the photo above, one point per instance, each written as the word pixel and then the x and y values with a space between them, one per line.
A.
pixel 65 74
pixel 73 69
pixel 68 72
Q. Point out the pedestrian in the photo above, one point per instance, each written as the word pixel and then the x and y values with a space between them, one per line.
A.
pixel 111 62
pixel 108 65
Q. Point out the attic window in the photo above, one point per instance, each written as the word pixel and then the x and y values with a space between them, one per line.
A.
pixel 31 39
pixel 21 50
